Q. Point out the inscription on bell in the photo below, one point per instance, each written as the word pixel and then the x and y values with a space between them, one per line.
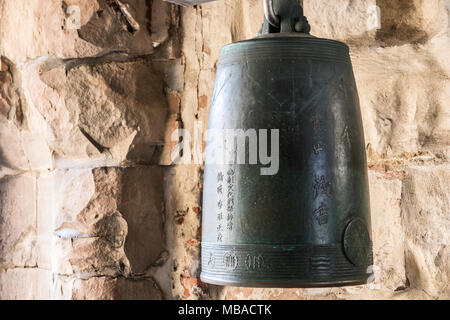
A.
pixel 230 199
pixel 211 260
pixel 255 262
pixel 321 186
pixel 321 214
pixel 220 205
pixel 318 148
pixel 230 261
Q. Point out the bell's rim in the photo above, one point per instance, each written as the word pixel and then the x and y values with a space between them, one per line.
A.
pixel 284 284
pixel 285 46
pixel 288 36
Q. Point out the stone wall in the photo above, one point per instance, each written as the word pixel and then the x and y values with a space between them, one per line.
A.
pixel 84 111
pixel 91 206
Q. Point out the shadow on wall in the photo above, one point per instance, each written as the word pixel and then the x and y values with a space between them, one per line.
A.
pixel 106 28
pixel 399 23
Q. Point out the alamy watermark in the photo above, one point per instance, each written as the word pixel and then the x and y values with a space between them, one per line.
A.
pixel 374 280
pixel 228 146
pixel 73 19
pixel 373 21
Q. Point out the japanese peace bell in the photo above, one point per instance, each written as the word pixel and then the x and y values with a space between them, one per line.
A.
pixel 302 219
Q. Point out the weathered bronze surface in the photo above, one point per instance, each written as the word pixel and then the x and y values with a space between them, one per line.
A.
pixel 308 225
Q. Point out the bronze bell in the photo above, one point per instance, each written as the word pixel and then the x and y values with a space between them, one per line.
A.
pixel 304 219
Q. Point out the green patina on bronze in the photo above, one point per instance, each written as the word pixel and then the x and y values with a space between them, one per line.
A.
pixel 308 225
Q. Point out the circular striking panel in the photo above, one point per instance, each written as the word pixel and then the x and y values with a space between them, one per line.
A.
pixel 357 242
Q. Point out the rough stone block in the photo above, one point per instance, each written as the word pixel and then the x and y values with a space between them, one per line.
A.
pixel 25 284
pixel 18 221
pixel 142 206
pixel 387 231
pixel 117 227
pixel 79 28
pixel 342 19
pixel 98 112
pixel 46 209
pixel 183 210
pixel 425 206
pixel 105 288
pixel 411 118
pixel 20 147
